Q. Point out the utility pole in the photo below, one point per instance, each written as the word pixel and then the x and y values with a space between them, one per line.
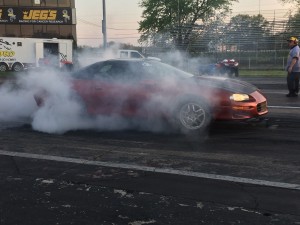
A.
pixel 104 25
pixel 178 13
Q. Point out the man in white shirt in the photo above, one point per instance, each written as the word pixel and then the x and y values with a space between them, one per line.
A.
pixel 293 67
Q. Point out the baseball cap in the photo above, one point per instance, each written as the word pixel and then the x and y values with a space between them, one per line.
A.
pixel 293 39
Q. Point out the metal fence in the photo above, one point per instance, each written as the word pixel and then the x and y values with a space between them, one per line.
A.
pixel 264 59
pixel 262 52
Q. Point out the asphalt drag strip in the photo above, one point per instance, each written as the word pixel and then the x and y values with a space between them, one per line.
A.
pixel 154 170
pixel 40 186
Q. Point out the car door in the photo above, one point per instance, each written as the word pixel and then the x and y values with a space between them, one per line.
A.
pixel 144 92
pixel 119 87
pixel 96 87
pixel 127 94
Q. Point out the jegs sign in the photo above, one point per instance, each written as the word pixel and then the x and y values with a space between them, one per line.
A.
pixel 26 15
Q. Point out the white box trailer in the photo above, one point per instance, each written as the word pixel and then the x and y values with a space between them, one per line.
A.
pixel 20 53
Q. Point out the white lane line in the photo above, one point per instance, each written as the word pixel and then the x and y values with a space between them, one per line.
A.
pixel 283 107
pixel 273 92
pixel 154 170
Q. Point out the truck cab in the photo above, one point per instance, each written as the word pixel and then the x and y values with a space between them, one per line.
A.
pixel 130 54
pixel 133 54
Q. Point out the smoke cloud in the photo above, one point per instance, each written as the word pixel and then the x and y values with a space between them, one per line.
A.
pixel 64 110
pixel 16 103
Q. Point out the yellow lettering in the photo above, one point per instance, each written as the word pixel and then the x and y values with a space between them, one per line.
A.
pixel 36 14
pixel 40 15
pixel 0 13
pixel 52 15
pixel 44 15
pixel 7 53
pixel 27 16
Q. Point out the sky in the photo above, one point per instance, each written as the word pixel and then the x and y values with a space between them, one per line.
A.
pixel 122 18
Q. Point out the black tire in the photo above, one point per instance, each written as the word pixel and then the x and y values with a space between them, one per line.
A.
pixel 236 72
pixel 17 67
pixel 3 67
pixel 192 116
pixel 223 71
pixel 230 72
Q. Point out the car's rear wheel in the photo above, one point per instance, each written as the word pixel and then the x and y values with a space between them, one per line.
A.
pixel 193 116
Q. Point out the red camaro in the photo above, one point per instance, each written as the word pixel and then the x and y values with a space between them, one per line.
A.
pixel 151 89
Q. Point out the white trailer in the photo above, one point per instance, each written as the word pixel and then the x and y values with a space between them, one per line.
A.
pixel 21 53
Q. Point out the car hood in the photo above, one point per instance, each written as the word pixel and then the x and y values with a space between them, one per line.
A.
pixel 232 85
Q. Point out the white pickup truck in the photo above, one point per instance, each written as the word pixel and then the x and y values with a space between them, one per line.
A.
pixel 133 54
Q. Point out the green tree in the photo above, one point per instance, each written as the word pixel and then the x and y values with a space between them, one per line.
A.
pixel 291 1
pixel 293 25
pixel 248 32
pixel 210 36
pixel 173 22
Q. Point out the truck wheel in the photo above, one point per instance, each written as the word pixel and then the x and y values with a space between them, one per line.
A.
pixel 3 67
pixel 17 67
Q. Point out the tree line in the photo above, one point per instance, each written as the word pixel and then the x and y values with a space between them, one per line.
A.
pixel 201 26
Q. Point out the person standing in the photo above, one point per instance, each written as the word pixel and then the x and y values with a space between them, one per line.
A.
pixel 293 67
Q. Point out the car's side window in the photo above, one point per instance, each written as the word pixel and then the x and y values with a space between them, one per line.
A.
pixel 123 54
pixel 135 71
pixel 104 70
pixel 135 55
pixel 150 72
pixel 89 72
pixel 114 71
pixel 101 71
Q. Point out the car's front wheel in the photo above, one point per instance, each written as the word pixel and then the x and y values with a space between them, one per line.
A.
pixel 193 116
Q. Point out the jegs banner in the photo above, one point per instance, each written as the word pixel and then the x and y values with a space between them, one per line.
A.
pixel 27 15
